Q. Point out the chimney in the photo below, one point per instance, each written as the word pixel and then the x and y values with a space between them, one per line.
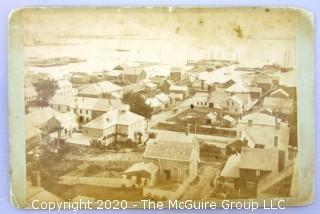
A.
pixel 250 123
pixel 275 142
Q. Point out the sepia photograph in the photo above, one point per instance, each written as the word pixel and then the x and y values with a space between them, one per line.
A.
pixel 160 104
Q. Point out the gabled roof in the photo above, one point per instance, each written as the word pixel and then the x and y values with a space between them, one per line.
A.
pixel 260 119
pixel 280 93
pixel 164 98
pixel 169 150
pixel 114 117
pixel 237 88
pixel 63 83
pixel 39 117
pixel 99 88
pixel 211 115
pixel 150 168
pixel 231 169
pixel 86 102
pixel 153 102
pixel 264 135
pixel 259 159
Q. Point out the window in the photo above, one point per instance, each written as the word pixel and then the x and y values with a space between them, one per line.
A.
pixel 68 108
pixel 227 103
pixel 236 110
pixel 58 107
pixel 80 111
pixel 250 185
pixel 87 112
pixel 232 103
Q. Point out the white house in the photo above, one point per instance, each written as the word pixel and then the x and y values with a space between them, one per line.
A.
pixel 30 94
pixel 64 88
pixel 119 124
pixel 233 106
pixel 179 92
pixel 84 107
pixel 104 89
pixel 279 101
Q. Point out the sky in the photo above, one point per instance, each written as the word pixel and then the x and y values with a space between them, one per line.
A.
pixel 169 35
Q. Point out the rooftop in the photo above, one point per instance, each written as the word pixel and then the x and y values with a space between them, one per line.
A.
pixel 260 119
pixel 99 88
pixel 259 159
pixel 113 117
pixel 237 88
pixel 178 88
pixel 231 169
pixel 280 93
pixel 96 104
pixel 151 168
pixel 169 150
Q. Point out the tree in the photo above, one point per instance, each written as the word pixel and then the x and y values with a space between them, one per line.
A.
pixel 137 105
pixel 45 90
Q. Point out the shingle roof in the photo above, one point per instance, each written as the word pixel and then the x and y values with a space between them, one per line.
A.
pixel 169 150
pixel 259 159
